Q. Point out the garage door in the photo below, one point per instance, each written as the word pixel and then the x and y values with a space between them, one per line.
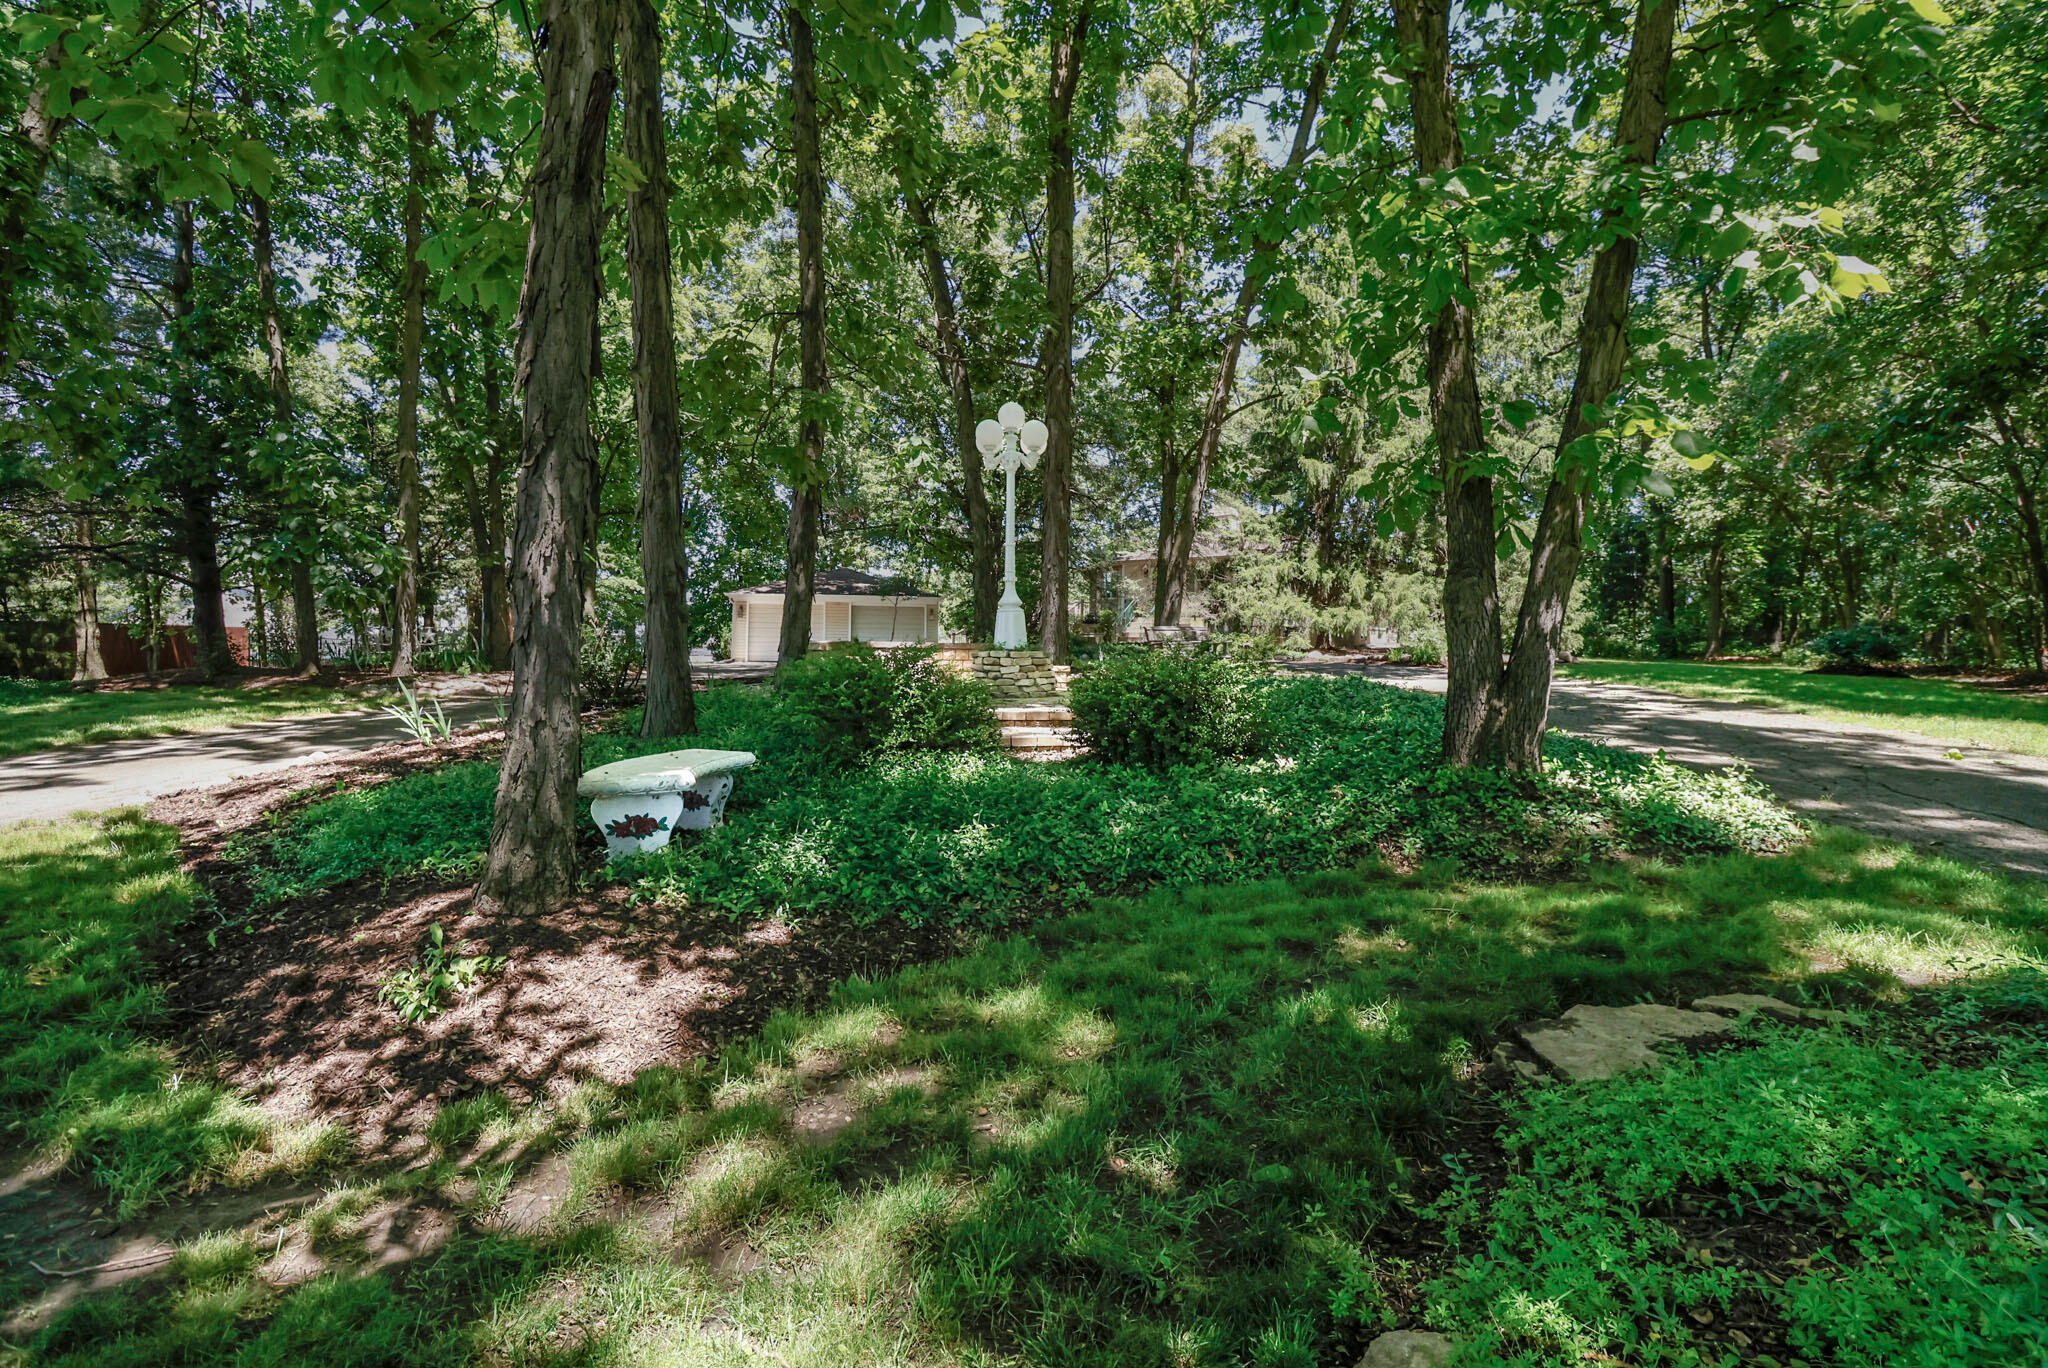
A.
pixel 764 629
pixel 882 622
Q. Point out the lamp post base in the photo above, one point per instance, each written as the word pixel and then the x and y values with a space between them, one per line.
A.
pixel 1010 628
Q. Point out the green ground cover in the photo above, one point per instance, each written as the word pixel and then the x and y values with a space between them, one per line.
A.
pixel 36 716
pixel 1182 1130
pixel 1347 771
pixel 1948 710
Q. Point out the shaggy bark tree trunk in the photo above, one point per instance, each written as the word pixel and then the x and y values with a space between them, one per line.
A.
pixel 807 482
pixel 419 133
pixel 1173 586
pixel 983 538
pixel 1471 589
pixel 532 861
pixel 1056 467
pixel 1603 360
pixel 305 607
pixel 199 477
pixel 664 542
pixel 86 660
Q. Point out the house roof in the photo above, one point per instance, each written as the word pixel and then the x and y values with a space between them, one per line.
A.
pixel 849 583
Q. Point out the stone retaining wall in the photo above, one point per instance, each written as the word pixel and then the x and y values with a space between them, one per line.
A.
pixel 1024 673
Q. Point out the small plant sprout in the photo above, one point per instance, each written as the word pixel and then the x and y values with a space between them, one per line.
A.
pixel 412 716
pixel 420 991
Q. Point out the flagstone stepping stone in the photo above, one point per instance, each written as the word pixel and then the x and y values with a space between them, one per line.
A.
pixel 1743 1005
pixel 1407 1349
pixel 1599 1042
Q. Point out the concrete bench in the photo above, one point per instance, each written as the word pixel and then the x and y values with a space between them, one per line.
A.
pixel 639 803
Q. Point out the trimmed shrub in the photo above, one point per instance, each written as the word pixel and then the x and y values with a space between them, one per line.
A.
pixel 853 702
pixel 1866 647
pixel 1162 709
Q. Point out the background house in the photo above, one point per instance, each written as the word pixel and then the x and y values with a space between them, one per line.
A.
pixel 848 605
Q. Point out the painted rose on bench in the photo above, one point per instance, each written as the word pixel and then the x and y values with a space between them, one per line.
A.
pixel 638 825
pixel 694 799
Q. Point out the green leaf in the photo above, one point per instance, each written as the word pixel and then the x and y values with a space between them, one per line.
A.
pixel 1932 12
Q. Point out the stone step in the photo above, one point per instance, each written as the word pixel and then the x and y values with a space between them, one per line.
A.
pixel 1035 715
pixel 1037 738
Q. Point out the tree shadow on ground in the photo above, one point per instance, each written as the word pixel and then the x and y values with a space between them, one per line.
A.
pixel 1190 1127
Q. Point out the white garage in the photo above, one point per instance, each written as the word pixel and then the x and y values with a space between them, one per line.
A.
pixel 846 605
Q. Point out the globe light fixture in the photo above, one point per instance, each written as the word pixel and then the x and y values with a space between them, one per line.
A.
pixel 1007 441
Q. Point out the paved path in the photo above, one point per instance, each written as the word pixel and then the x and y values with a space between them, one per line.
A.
pixel 1990 807
pixel 116 774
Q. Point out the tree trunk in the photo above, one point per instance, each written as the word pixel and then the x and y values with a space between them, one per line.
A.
pixel 1173 586
pixel 1471 589
pixel 86 661
pixel 664 540
pixel 1717 591
pixel 199 478
pixel 490 554
pixel 1603 361
pixel 984 539
pixel 807 482
pixel 532 862
pixel 1176 290
pixel 38 129
pixel 1667 576
pixel 419 134
pixel 2036 549
pixel 305 608
pixel 1056 467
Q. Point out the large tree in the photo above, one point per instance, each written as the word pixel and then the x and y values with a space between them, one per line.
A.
pixel 532 861
pixel 664 548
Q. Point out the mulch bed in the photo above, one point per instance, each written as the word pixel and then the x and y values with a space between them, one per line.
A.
pixel 600 989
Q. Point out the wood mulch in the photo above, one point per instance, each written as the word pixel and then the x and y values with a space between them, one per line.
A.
pixel 285 1000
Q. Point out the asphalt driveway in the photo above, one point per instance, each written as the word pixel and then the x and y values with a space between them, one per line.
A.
pixel 1990 807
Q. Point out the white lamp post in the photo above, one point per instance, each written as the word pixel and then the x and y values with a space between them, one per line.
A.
pixel 1007 441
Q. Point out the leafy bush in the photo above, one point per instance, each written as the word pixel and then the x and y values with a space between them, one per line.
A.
pixel 1424 646
pixel 852 701
pixel 1163 709
pixel 610 672
pixel 1865 645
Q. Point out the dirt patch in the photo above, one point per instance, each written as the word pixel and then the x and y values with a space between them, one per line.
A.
pixel 599 989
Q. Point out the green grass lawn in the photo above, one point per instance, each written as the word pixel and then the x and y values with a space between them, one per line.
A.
pixel 1187 1130
pixel 81 1075
pixel 36 716
pixel 1963 714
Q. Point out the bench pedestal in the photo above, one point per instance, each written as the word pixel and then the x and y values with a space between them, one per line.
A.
pixel 639 803
pixel 638 823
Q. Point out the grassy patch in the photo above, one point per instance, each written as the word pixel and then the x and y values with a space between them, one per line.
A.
pixel 1943 709
pixel 1172 1130
pixel 36 716
pixel 1348 772
pixel 80 1074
